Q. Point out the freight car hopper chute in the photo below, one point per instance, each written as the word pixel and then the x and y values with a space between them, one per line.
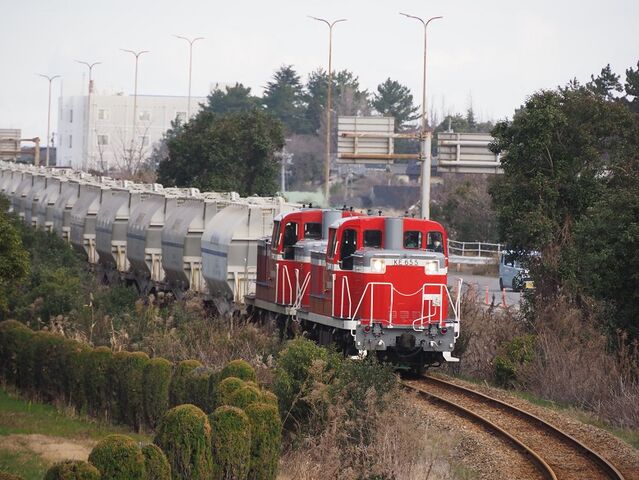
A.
pixel 182 239
pixel 111 227
pixel 144 234
pixel 229 248
pixel 84 215
pixel 62 209
pixel 17 198
pixel 50 196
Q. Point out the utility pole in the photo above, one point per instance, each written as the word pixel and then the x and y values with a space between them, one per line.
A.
pixel 191 42
pixel 426 133
pixel 50 79
pixel 87 128
pixel 327 160
pixel 135 96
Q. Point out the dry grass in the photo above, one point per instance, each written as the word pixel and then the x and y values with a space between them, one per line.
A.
pixel 393 443
pixel 573 364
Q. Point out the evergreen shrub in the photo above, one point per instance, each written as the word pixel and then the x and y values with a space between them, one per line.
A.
pixel 225 390
pixel 178 394
pixel 266 440
pixel 231 443
pixel 132 388
pixel 156 464
pixel 199 385
pixel 118 457
pixel 97 386
pixel 72 470
pixel 245 396
pixel 13 337
pixel 239 369
pixel 184 435
pixel 156 382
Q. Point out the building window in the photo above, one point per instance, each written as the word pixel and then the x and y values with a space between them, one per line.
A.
pixel 71 140
pixel 180 116
pixel 144 141
pixel 144 116
pixel 71 116
pixel 103 139
pixel 103 114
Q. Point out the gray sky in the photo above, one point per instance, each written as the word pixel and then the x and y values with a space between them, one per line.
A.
pixel 496 51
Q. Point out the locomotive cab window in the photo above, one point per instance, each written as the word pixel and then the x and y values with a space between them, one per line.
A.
pixel 434 242
pixel 276 235
pixel 413 239
pixel 313 231
pixel 290 239
pixel 373 238
pixel 332 244
pixel 348 248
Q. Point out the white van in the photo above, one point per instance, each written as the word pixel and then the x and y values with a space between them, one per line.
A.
pixel 512 274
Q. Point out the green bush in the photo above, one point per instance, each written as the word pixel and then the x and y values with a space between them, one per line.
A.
pixel 184 435
pixel 269 398
pixel 118 457
pixel 72 470
pixel 178 394
pixel 97 387
pixel 77 372
pixel 514 354
pixel 199 385
pixel 13 338
pixel 225 390
pixel 294 376
pixel 239 369
pixel 157 378
pixel 266 440
pixel 132 388
pixel 231 443
pixel 245 396
pixel 156 464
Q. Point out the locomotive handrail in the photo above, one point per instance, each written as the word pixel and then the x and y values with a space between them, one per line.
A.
pixel 474 249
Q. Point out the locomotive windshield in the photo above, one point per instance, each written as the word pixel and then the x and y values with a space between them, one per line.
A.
pixel 313 231
pixel 412 239
pixel 373 238
pixel 349 247
pixel 434 243
pixel 290 239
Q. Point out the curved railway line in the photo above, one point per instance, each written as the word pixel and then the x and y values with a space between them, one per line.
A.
pixel 554 454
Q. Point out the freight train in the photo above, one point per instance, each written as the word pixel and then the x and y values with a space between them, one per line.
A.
pixel 370 284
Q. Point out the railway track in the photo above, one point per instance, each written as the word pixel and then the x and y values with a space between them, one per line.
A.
pixel 555 454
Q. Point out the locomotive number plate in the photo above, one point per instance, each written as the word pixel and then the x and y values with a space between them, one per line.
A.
pixel 406 261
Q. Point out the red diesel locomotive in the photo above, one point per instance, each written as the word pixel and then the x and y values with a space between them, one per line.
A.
pixel 368 283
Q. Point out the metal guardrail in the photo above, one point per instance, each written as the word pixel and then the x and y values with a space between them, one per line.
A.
pixel 474 249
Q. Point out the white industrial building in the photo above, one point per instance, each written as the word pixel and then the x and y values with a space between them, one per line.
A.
pixel 105 137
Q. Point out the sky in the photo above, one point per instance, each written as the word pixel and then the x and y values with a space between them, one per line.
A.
pixel 493 53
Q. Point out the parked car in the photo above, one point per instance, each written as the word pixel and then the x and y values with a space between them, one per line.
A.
pixel 512 274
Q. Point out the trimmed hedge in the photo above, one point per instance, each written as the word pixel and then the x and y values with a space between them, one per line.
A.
pixel 72 470
pixel 156 464
pixel 13 338
pixel 245 396
pixel 132 389
pixel 266 440
pixel 118 457
pixel 239 369
pixel 231 444
pixel 225 390
pixel 96 384
pixel 184 435
pixel 156 382
pixel 178 393
pixel 199 387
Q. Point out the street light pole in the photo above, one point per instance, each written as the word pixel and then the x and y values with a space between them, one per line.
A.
pixel 191 42
pixel 88 110
pixel 50 79
pixel 327 160
pixel 426 133
pixel 135 93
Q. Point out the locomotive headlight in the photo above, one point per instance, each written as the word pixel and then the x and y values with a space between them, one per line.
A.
pixel 431 267
pixel 378 265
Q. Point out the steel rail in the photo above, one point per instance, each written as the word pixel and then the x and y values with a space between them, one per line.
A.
pixel 609 469
pixel 534 458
